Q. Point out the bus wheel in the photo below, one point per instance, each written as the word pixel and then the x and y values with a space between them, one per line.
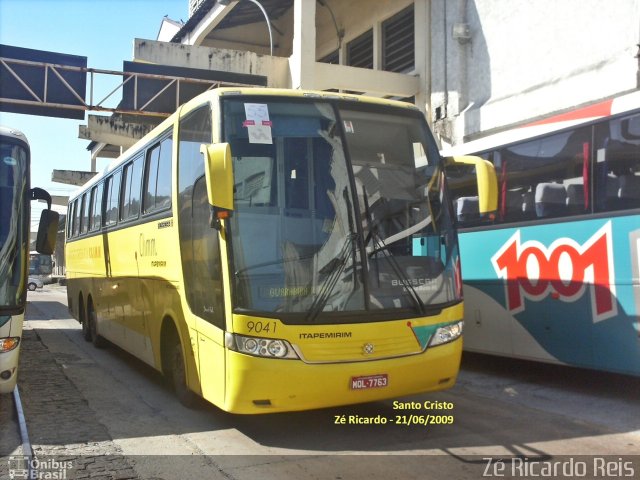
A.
pixel 98 340
pixel 82 316
pixel 86 332
pixel 179 377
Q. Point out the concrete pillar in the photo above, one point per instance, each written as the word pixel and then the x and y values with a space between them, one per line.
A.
pixel 93 161
pixel 303 60
pixel 422 29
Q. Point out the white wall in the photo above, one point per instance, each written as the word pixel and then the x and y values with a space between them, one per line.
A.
pixel 526 59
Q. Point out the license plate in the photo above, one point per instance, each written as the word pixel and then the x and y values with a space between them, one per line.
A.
pixel 369 381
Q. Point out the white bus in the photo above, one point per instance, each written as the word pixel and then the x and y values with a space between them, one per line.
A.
pixel 15 212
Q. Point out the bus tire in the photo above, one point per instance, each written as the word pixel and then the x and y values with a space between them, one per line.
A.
pixel 86 333
pixel 179 377
pixel 82 318
pixel 98 340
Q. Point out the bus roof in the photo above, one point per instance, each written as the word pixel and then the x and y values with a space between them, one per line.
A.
pixel 13 133
pixel 571 118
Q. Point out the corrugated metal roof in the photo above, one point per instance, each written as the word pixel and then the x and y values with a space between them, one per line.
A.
pixel 244 13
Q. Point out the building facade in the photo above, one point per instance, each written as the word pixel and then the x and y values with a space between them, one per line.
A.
pixel 473 66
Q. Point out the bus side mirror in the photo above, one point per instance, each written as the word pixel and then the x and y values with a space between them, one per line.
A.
pixel 218 170
pixel 486 179
pixel 47 232
pixel 37 193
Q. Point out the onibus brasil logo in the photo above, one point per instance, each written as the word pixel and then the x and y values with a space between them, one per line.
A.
pixel 564 270
pixel 24 467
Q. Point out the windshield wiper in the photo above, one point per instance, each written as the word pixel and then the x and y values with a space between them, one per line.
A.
pixel 379 245
pixel 336 266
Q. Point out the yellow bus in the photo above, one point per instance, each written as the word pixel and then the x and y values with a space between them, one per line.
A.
pixel 276 250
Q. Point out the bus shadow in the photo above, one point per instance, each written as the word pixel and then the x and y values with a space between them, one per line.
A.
pixel 42 310
pixel 573 380
pixel 477 419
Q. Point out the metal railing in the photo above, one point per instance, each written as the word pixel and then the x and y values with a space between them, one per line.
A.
pixel 139 108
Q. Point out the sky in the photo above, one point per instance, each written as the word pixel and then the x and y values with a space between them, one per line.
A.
pixel 101 30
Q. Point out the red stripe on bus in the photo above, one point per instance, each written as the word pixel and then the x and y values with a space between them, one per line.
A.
pixel 602 109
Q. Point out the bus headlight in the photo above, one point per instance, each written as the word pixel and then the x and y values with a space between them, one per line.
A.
pixel 446 333
pixel 8 343
pixel 260 347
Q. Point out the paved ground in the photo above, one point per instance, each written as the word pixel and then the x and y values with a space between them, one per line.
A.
pixel 10 442
pixel 61 424
pixel 113 417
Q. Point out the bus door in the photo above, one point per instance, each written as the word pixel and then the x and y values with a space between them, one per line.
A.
pixel 203 286
pixel 200 251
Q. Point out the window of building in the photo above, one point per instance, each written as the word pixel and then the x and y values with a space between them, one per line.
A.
pixel 360 51
pixel 398 42
pixel 333 58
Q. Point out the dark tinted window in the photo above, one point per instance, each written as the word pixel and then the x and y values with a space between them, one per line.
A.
pixel 130 202
pixel 198 241
pixel 617 168
pixel 111 199
pixel 76 217
pixel 84 221
pixel 541 178
pixel 157 179
pixel 95 215
pixel 70 218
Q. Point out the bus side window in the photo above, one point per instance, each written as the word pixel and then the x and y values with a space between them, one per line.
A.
pixel 157 177
pixel 76 218
pixel 205 284
pixel 111 199
pixel 84 205
pixel 617 170
pixel 95 208
pixel 464 189
pixel 131 185
pixel 70 218
pixel 552 173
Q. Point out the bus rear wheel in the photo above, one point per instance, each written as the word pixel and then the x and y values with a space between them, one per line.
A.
pixel 179 377
pixel 86 332
pixel 97 339
pixel 84 322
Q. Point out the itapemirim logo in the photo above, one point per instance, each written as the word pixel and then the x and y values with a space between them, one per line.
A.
pixel 24 467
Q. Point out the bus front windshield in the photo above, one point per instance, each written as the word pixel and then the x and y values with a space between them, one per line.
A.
pixel 13 224
pixel 340 209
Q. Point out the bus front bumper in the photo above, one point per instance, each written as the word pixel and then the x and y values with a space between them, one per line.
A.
pixel 265 385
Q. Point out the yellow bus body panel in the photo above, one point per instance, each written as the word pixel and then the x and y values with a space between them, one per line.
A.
pixel 331 356
pixel 258 385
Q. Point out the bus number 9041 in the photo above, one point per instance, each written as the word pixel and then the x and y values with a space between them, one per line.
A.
pixel 261 327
